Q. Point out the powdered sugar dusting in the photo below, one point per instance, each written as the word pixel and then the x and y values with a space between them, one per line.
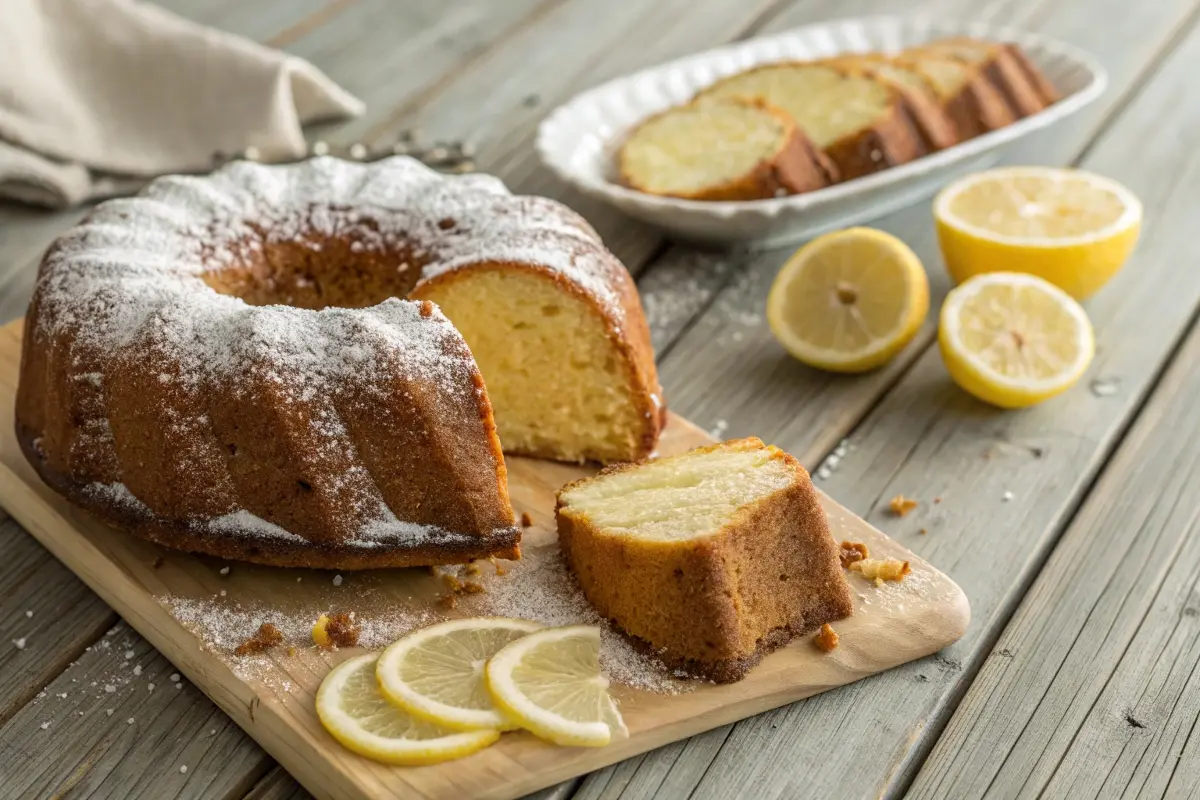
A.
pixel 541 588
pixel 127 288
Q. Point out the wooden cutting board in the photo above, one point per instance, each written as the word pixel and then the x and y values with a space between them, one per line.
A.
pixel 273 701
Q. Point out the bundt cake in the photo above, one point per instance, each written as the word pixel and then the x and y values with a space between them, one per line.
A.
pixel 222 364
pixel 712 558
pixel 862 124
pixel 724 149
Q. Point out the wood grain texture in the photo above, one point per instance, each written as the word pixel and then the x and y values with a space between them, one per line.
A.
pixel 568 48
pixel 278 785
pixel 892 624
pixel 49 618
pixel 1091 689
pixel 76 739
pixel 925 440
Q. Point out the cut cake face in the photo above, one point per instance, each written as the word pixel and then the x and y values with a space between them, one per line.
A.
pixel 712 558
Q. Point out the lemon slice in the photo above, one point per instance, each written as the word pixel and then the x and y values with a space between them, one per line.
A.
pixel 1073 228
pixel 1013 340
pixel 550 683
pixel 436 673
pixel 849 301
pixel 354 712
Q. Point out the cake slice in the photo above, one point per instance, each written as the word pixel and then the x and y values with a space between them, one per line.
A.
pixel 711 558
pixel 935 125
pixel 861 123
pixel 727 149
pixel 997 62
pixel 966 93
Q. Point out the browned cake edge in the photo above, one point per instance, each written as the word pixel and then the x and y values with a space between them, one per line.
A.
pixel 248 546
pixel 727 670
pixel 797 166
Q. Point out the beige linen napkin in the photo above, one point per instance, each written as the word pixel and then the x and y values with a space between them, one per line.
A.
pixel 96 96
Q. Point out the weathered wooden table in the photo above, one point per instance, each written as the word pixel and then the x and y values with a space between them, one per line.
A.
pixel 1070 526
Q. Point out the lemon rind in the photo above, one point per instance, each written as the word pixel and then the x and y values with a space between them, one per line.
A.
pixel 400 694
pixel 949 326
pixel 1131 216
pixel 400 752
pixel 542 723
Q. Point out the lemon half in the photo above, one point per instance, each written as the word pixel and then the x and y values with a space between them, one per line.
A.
pixel 1013 339
pixel 1073 228
pixel 849 301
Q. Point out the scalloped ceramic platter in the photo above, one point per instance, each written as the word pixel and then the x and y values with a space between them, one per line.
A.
pixel 271 696
pixel 578 141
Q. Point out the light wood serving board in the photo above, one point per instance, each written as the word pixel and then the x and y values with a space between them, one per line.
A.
pixel 891 625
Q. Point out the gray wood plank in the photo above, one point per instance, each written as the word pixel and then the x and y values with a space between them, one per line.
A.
pixel 1091 689
pixel 926 439
pixel 278 785
pixel 49 617
pixel 569 48
pixel 115 725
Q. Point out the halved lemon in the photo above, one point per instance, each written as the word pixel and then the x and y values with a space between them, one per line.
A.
pixel 1014 340
pixel 1071 227
pixel 436 673
pixel 849 301
pixel 550 683
pixel 352 709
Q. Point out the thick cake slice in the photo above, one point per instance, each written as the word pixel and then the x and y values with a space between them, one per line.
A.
pixel 1019 81
pixel 713 558
pixel 729 149
pixel 937 129
pixel 862 124
pixel 966 93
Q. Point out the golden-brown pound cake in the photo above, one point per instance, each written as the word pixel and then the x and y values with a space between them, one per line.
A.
pixel 862 124
pixel 712 558
pixel 726 149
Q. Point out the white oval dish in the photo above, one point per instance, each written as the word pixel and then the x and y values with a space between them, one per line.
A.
pixel 578 140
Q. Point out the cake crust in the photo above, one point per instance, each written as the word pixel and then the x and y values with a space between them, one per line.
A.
pixel 222 364
pixel 713 606
pixel 795 167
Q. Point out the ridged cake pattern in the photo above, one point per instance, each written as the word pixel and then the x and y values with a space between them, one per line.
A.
pixel 351 404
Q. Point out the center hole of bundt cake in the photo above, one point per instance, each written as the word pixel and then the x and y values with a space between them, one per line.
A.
pixel 355 266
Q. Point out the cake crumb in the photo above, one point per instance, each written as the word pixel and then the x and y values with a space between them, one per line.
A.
pixel 471 569
pixel 337 580
pixel 291 651
pixel 224 570
pixel 526 520
pixel 500 568
pixel 336 630
pixel 266 637
pixel 852 552
pixel 158 562
pixel 183 768
pixel 45 726
pixel 19 643
pixel 882 569
pixel 129 721
pixel 29 614
pixel 923 531
pixel 901 505
pixel 1006 496
pixel 937 500
pixel 826 638
pixel 452 582
pixel 448 601
pixel 471 587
